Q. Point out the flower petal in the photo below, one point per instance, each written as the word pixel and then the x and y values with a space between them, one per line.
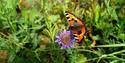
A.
pixel 65 39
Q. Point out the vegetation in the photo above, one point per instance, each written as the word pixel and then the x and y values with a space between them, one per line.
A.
pixel 28 30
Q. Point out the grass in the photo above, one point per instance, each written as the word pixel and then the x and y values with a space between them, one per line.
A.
pixel 29 36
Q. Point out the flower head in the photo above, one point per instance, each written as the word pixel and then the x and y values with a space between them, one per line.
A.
pixel 65 39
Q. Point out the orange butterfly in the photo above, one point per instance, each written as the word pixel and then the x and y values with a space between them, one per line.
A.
pixel 77 26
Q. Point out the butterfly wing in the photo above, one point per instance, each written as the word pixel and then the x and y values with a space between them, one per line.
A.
pixel 76 25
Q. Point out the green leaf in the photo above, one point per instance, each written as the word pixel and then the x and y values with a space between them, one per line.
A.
pixel 121 36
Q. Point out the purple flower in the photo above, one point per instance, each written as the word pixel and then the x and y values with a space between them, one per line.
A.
pixel 65 39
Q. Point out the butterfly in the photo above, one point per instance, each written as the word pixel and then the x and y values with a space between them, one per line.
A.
pixel 77 26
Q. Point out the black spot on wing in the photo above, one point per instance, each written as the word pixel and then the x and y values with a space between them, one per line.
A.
pixel 67 17
pixel 69 20
pixel 75 20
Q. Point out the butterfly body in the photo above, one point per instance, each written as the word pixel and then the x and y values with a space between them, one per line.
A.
pixel 77 26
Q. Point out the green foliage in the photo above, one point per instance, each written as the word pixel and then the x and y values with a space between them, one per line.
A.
pixel 29 36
